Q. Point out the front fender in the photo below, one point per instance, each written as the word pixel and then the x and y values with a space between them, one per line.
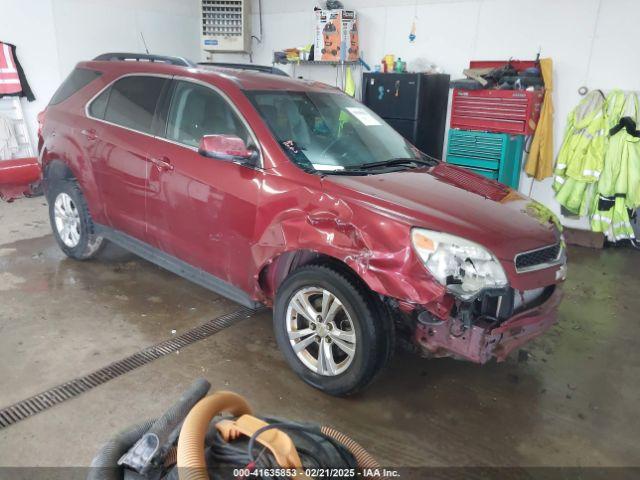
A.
pixel 378 249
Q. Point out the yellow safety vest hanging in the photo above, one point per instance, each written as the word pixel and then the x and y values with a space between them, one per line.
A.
pixel 619 184
pixel 580 159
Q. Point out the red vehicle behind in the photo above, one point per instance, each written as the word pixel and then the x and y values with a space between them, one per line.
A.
pixel 291 194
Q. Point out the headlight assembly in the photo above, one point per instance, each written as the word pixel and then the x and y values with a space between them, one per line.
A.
pixel 464 267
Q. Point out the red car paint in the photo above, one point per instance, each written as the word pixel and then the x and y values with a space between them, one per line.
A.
pixel 249 226
pixel 17 176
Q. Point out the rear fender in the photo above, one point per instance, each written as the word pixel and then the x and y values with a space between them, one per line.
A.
pixel 63 157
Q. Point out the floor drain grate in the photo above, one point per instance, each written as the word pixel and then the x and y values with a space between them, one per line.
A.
pixel 66 391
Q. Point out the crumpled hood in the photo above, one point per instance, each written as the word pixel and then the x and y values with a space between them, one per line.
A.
pixel 452 200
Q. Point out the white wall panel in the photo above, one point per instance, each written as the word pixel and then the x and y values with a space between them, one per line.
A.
pixel 615 61
pixel 452 32
pixel 53 35
pixel 85 29
pixel 590 41
pixel 29 26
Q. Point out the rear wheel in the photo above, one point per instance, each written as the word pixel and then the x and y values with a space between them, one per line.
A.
pixel 70 221
pixel 331 329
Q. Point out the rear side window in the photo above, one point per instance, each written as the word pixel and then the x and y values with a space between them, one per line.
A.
pixel 132 102
pixel 77 79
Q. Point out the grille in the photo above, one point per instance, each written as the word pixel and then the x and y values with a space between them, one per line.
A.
pixel 536 258
pixel 61 393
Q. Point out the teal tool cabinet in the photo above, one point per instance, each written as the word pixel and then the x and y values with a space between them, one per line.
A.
pixel 494 155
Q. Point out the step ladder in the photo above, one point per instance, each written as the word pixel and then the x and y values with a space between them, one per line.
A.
pixel 11 109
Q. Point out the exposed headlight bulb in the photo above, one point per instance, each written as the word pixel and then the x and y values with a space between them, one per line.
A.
pixel 461 265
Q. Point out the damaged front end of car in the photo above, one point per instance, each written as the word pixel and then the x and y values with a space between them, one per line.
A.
pixel 447 295
pixel 492 325
pixel 481 316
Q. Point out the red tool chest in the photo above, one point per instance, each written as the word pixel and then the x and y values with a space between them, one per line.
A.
pixel 507 111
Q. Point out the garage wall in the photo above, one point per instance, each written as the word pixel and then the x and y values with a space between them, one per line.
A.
pixel 85 29
pixel 29 26
pixel 53 35
pixel 590 42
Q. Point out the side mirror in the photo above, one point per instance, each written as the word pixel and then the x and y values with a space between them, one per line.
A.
pixel 227 147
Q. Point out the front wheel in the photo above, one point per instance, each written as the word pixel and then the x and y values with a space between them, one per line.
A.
pixel 331 329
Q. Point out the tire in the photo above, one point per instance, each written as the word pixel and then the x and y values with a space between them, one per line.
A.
pixel 359 316
pixel 66 200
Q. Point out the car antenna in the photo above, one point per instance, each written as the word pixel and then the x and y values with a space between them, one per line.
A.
pixel 144 43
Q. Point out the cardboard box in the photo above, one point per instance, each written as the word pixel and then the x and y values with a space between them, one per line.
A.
pixel 336 36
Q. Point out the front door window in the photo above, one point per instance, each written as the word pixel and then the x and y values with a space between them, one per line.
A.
pixel 197 111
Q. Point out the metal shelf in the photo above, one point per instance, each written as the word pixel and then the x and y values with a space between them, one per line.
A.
pixel 325 62
pixel 340 64
pixel 318 62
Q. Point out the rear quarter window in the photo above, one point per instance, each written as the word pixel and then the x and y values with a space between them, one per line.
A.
pixel 77 79
pixel 132 102
pixel 98 107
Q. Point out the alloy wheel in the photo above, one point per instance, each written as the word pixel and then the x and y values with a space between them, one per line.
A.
pixel 67 220
pixel 321 331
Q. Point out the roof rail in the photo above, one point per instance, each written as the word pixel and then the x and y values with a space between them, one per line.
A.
pixel 246 66
pixel 143 57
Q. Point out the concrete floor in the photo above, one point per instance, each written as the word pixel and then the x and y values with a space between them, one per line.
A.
pixel 573 403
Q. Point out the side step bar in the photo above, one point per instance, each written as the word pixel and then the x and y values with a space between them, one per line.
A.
pixel 177 266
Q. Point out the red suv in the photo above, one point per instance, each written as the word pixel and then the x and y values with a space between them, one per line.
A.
pixel 288 193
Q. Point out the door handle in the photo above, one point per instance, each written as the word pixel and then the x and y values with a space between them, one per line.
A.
pixel 90 133
pixel 163 164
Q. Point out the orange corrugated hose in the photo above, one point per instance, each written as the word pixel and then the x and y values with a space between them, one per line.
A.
pixel 191 462
pixel 364 458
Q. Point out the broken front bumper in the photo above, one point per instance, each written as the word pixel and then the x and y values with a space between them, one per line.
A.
pixel 483 340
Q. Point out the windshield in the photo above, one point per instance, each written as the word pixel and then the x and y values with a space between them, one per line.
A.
pixel 330 132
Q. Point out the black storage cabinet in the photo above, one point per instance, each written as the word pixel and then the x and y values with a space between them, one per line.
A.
pixel 414 104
